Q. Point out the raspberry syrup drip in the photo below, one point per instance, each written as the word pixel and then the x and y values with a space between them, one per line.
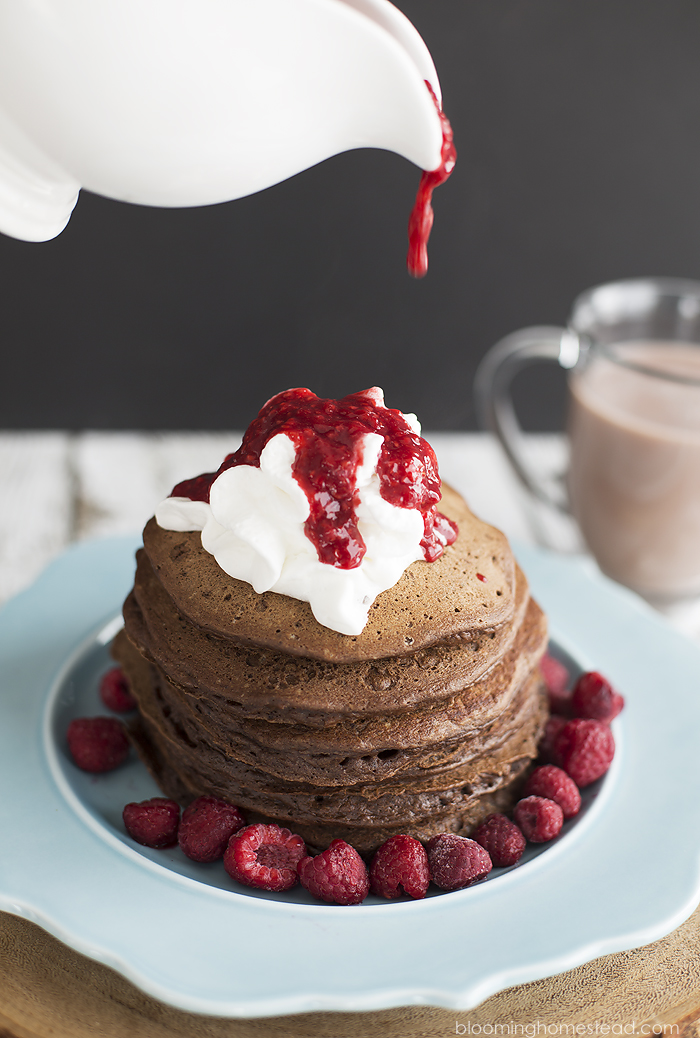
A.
pixel 197 489
pixel 421 220
pixel 328 435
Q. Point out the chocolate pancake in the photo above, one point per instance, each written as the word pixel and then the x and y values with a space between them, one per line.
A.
pixel 425 723
pixel 452 800
pixel 275 686
pixel 377 747
pixel 470 588
pixel 462 713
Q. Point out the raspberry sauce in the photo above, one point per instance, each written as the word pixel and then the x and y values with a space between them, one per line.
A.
pixel 328 435
pixel 421 220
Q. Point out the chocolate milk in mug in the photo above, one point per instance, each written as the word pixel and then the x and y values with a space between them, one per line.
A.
pixel 633 482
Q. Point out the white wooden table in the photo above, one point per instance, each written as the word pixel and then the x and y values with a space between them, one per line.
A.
pixel 57 487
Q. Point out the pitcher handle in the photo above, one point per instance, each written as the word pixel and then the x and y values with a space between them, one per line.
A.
pixel 494 404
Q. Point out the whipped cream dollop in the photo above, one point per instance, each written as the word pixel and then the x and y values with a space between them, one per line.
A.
pixel 307 506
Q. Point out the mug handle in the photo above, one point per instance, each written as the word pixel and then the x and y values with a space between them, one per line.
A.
pixel 494 404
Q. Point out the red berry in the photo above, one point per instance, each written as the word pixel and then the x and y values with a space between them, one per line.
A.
pixel 456 862
pixel 338 875
pixel 554 784
pixel 114 692
pixel 547 743
pixel 97 743
pixel 502 839
pixel 206 827
pixel 555 674
pixel 594 697
pixel 264 856
pixel 585 749
pixel 400 866
pixel 556 678
pixel 153 823
pixel 539 818
pixel 560 703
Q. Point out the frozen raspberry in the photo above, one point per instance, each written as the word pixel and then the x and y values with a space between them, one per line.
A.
pixel 546 746
pixel 554 784
pixel 555 674
pixel 153 823
pixel 264 856
pixel 338 875
pixel 456 861
pixel 539 818
pixel 556 678
pixel 502 839
pixel 206 827
pixel 400 866
pixel 560 703
pixel 585 749
pixel 114 692
pixel 97 743
pixel 594 697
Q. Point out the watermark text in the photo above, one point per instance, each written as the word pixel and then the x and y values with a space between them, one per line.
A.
pixel 538 1028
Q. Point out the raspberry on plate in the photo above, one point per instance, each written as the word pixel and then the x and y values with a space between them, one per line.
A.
pixel 555 674
pixel 594 697
pixel 547 752
pixel 338 875
pixel 554 784
pixel 560 703
pixel 539 818
pixel 153 822
pixel 206 827
pixel 97 744
pixel 264 856
pixel 584 748
pixel 114 692
pixel 400 866
pixel 556 678
pixel 456 861
pixel 501 839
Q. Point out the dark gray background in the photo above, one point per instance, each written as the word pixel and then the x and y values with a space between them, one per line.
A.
pixel 577 124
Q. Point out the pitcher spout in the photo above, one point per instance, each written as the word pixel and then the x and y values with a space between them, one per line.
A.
pixel 172 103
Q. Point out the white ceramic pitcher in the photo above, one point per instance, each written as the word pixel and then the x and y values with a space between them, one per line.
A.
pixel 192 102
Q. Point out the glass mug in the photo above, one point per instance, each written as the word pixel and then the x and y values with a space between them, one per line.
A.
pixel 632 350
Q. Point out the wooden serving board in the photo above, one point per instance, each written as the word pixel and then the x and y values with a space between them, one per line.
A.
pixel 50 991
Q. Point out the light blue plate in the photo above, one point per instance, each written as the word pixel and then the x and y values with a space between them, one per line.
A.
pixel 624 874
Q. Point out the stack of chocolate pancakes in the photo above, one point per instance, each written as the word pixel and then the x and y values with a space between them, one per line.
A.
pixel 426 722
